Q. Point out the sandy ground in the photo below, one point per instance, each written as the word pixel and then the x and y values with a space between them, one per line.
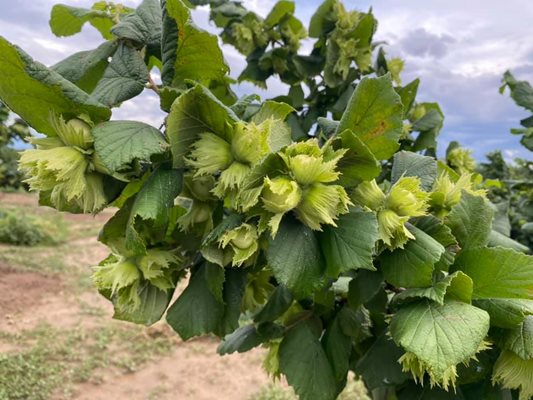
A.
pixel 191 370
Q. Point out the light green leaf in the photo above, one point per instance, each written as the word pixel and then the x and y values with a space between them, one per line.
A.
pixel 413 265
pixel 142 26
pixel 497 239
pixel 187 51
pixel 407 163
pixel 33 92
pixel 272 109
pixel 374 114
pixel 279 11
pixel 118 143
pixel 498 272
pixel 470 221
pixel 196 311
pixel 304 363
pixel 456 286
pixel 124 77
pixel 67 21
pixel 294 256
pixel 350 245
pixel 505 313
pixel 358 163
pixel 429 127
pixel 440 336
pixel 321 22
pixel 86 68
pixel 154 302
pixel 408 95
pixel 520 339
pixel 503 283
pixel 194 112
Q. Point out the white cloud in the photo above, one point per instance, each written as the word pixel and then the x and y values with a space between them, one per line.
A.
pixel 458 48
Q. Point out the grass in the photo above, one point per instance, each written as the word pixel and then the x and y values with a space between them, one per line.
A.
pixel 58 359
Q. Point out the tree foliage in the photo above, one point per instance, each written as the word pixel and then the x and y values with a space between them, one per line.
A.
pixel 318 224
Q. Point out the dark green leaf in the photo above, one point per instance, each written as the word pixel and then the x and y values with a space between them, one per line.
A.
pixel 294 256
pixel 379 365
pixel 412 164
pixel 305 364
pixel 279 301
pixel 153 204
pixel 413 265
pixel 142 26
pixel 154 302
pixel 470 221
pixel 123 79
pixel 86 68
pixel 350 245
pixel 118 143
pixel 33 92
pixel 196 311
pixel 187 51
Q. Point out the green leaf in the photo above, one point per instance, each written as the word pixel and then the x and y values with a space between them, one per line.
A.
pixel 33 92
pixel 412 164
pixel 305 364
pixel 350 245
pixel 520 339
pixel 497 239
pixel 375 116
pixel 364 287
pixel 321 22
pixel 281 9
pixel 503 274
pixel 408 95
pixel 142 26
pixel 505 313
pixel 234 285
pixel 294 256
pixel 154 302
pixel 153 203
pixel 440 336
pixel 470 221
pixel 338 348
pixel 429 127
pixel 118 143
pixel 187 51
pixel 413 265
pixel 86 68
pixel 196 311
pixel 67 21
pixel 123 79
pixel 521 91
pixel 279 301
pixel 379 366
pixel 242 340
pixel 194 112
pixel 358 163
pixel 272 109
pixel 456 286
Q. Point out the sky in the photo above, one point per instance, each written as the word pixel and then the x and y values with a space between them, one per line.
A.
pixel 459 49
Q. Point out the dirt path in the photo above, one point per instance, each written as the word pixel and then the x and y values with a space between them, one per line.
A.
pixel 188 371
